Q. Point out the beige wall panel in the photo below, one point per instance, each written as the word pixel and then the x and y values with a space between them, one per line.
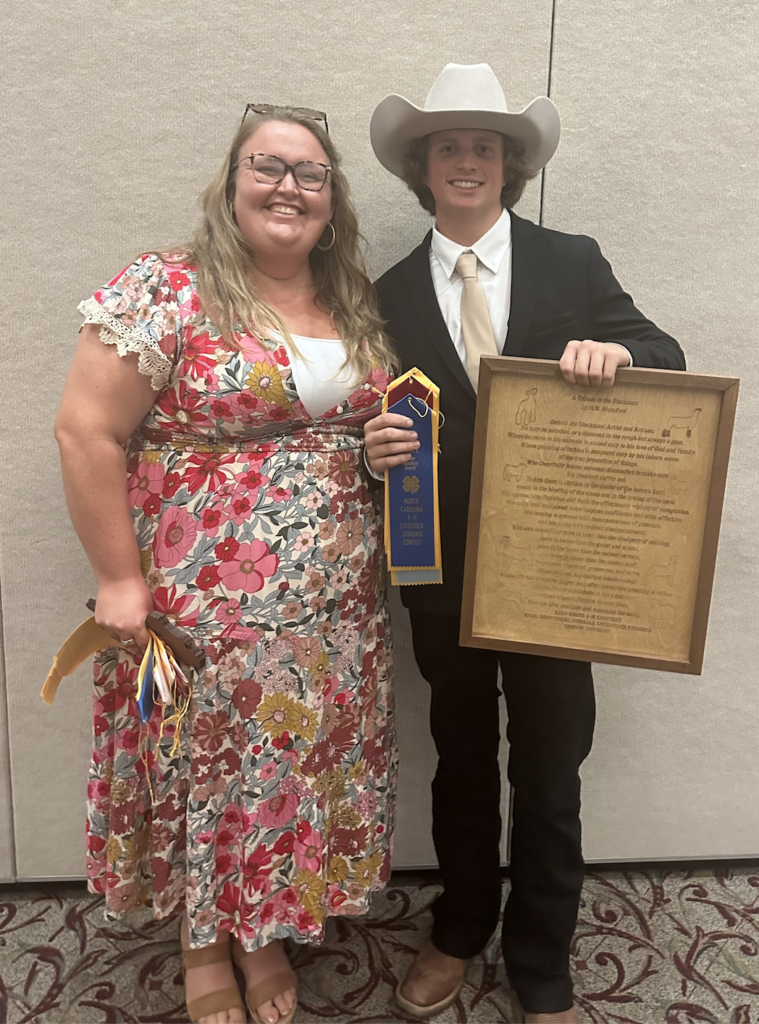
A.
pixel 658 161
pixel 112 125
pixel 413 838
pixel 7 865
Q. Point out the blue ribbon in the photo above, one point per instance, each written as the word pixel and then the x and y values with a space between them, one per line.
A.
pixel 411 494
pixel 145 695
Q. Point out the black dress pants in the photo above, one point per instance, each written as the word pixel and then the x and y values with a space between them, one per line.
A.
pixel 551 714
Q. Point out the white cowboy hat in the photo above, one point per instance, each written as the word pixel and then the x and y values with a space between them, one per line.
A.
pixel 463 96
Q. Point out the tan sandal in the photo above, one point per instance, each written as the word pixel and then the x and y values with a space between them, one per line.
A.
pixel 268 989
pixel 215 1002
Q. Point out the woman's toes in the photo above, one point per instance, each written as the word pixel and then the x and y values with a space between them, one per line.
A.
pixel 284 1001
pixel 234 1015
pixel 268 1012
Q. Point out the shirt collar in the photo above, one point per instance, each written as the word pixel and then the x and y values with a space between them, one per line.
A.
pixel 489 250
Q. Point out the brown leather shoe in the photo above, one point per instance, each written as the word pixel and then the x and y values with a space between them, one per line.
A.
pixel 432 982
pixel 565 1017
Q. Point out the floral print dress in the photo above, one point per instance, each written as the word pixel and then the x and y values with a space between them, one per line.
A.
pixel 258 534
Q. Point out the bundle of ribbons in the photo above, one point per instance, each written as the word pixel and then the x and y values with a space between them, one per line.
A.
pixel 161 682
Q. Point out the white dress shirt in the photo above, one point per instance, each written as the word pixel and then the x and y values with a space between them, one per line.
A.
pixel 493 252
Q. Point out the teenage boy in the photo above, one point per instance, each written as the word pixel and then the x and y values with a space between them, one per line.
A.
pixel 530 292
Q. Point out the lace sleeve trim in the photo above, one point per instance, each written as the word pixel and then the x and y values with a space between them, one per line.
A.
pixel 152 361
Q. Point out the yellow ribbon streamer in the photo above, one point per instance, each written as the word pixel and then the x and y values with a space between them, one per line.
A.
pixel 87 639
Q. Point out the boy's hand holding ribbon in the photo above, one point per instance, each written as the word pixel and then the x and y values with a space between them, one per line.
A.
pixel 389 441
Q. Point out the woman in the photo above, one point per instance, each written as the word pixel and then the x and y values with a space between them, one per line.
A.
pixel 211 442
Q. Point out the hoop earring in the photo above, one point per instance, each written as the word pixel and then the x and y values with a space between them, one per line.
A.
pixel 326 248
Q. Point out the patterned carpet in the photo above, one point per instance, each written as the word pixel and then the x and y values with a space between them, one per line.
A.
pixel 670 946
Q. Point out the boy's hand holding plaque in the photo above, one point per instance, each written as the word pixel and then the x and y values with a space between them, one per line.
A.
pixel 412 522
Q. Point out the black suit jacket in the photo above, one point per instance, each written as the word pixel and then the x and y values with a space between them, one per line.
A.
pixel 562 288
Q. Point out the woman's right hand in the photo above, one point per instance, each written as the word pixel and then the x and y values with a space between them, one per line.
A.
pixel 389 441
pixel 121 609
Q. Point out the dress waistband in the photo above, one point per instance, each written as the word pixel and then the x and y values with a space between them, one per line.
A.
pixel 310 439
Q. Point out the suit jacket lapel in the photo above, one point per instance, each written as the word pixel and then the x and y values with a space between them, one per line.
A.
pixel 526 255
pixel 424 297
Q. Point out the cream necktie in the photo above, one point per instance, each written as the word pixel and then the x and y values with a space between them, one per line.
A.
pixel 476 328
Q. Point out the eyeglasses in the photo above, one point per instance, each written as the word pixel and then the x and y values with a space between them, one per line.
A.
pixel 271 108
pixel 270 170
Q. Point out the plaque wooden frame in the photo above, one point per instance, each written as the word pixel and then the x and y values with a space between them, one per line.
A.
pixel 660 623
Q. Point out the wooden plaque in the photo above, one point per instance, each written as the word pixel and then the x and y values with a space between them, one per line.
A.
pixel 594 513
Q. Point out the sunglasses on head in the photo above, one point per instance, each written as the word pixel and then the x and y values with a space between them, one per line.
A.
pixel 271 108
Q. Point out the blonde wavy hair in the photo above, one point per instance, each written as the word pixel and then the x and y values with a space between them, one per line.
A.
pixel 223 259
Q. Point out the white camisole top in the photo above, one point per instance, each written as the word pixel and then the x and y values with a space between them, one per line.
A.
pixel 317 373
